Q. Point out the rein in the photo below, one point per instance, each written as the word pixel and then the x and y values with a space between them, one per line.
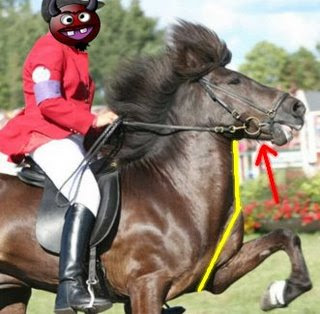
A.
pixel 216 129
pixel 89 156
pixel 219 129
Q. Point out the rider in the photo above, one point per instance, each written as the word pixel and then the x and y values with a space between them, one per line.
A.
pixel 58 94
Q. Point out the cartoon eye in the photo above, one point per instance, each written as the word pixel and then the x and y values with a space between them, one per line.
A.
pixel 84 17
pixel 66 19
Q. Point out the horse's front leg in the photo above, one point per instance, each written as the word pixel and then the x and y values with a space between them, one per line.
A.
pixel 148 292
pixel 252 253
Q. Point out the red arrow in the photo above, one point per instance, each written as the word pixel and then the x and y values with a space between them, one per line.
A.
pixel 263 154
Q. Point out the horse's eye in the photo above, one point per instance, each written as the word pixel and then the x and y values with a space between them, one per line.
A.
pixel 234 81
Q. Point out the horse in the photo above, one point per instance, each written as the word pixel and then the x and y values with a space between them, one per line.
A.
pixel 177 183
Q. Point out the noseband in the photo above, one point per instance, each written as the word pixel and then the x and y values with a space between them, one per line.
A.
pixel 248 121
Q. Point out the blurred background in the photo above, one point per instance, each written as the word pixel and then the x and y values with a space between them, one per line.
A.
pixel 276 42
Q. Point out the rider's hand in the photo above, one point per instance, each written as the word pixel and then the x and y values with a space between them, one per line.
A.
pixel 105 117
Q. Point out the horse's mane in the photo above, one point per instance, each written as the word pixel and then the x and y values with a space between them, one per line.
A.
pixel 144 89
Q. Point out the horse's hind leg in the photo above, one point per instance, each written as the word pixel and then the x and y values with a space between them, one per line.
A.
pixel 252 253
pixel 14 295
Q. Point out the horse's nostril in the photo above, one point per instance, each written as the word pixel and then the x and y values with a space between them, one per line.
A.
pixel 298 109
pixel 295 107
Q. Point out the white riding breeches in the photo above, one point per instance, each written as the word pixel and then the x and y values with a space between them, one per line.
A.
pixel 59 159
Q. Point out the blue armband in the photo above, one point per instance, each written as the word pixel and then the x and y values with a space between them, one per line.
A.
pixel 46 90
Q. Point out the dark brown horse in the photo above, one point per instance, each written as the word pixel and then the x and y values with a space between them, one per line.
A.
pixel 177 190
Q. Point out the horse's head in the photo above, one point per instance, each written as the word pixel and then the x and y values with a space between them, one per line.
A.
pixel 189 85
pixel 243 106
pixel 263 112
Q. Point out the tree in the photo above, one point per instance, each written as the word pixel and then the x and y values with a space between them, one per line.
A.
pixel 318 48
pixel 125 33
pixel 20 27
pixel 272 65
pixel 265 63
pixel 302 70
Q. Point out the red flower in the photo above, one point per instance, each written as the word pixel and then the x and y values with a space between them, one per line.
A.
pixel 307 219
pixel 277 216
pixel 296 203
pixel 249 209
pixel 287 215
pixel 257 225
pixel 316 207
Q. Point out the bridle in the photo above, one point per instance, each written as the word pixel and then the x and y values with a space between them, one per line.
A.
pixel 209 87
pixel 248 122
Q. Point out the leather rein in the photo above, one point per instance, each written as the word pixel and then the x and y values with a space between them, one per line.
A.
pixel 248 122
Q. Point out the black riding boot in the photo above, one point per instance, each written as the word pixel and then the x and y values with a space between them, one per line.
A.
pixel 72 292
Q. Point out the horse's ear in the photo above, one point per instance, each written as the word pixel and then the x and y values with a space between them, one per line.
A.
pixel 187 62
pixel 194 50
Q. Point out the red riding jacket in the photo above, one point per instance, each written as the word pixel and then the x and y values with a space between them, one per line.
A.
pixel 58 93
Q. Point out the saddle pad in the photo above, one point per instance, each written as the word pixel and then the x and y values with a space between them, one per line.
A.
pixel 50 219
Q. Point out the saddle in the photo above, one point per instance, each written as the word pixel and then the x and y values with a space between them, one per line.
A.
pixel 52 209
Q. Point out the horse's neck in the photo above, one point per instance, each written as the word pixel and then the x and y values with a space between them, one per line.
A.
pixel 199 168
pixel 189 177
pixel 197 177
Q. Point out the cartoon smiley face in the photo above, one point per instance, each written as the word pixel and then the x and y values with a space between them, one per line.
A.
pixel 74 25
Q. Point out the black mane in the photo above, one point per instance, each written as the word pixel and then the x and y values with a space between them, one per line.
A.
pixel 144 90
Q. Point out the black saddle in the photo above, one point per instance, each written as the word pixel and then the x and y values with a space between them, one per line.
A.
pixel 50 218
pixel 32 174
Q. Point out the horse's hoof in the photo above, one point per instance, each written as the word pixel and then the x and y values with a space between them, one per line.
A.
pixel 174 310
pixel 68 310
pixel 274 296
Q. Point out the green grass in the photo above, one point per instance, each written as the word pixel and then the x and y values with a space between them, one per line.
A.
pixel 241 298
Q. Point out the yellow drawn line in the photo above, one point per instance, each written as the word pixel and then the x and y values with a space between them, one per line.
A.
pixel 235 215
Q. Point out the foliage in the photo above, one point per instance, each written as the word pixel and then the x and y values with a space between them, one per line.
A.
pixel 311 188
pixel 256 189
pixel 302 70
pixel 265 63
pixel 20 27
pixel 126 32
pixel 272 65
pixel 299 200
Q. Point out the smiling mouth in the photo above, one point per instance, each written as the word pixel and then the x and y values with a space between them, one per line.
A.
pixel 278 133
pixel 282 134
pixel 78 34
